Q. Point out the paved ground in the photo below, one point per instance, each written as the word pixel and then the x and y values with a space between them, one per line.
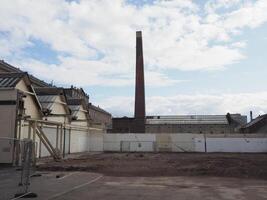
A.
pixel 123 176
pixel 85 185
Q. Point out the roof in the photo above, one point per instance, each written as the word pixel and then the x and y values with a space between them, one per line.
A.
pixel 255 121
pixel 48 95
pixel 76 93
pixel 74 109
pixel 10 80
pixel 97 108
pixel 75 101
pixel 11 69
pixel 187 119
pixel 47 100
pixel 49 91
pixel 75 105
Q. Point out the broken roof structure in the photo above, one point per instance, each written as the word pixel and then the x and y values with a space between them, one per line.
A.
pixel 53 101
pixel 257 125
pixel 7 68
pixel 10 80
pixel 19 81
pixel 97 108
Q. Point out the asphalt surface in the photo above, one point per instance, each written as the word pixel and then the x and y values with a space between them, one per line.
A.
pixel 85 185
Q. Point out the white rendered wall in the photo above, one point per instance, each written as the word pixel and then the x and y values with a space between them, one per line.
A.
pixel 79 141
pixel 187 142
pixel 184 143
pixel 50 133
pixel 131 142
pixel 95 142
pixel 252 145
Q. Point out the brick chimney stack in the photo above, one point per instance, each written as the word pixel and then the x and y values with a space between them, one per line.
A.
pixel 139 111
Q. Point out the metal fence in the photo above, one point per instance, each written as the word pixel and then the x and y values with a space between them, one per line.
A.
pixel 17 165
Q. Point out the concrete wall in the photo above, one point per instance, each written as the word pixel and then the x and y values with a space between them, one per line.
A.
pixel 184 143
pixel 76 141
pixel 79 141
pixel 129 142
pixel 50 133
pixel 154 142
pixel 95 141
pixel 236 144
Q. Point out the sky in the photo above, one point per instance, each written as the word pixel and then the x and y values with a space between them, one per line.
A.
pixel 201 57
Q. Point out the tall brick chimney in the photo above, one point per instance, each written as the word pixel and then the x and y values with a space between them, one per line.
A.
pixel 139 110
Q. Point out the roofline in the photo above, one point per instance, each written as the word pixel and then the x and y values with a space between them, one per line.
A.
pixel 97 108
pixel 18 70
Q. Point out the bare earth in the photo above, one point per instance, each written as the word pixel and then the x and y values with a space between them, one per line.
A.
pixel 252 166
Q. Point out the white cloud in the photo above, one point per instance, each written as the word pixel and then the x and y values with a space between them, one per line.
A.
pixel 213 5
pixel 95 39
pixel 241 44
pixel 192 104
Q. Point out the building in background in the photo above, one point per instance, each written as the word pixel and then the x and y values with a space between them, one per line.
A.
pixel 137 123
pixel 140 123
pixel 56 119
pixel 97 115
pixel 257 125
pixel 100 116
pixel 211 124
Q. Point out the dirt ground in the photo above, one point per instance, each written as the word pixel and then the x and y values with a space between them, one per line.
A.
pixel 164 164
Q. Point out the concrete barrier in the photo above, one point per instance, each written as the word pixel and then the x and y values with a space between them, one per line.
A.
pixel 185 142
pixel 242 145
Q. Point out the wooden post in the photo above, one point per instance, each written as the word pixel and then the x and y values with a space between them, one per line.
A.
pixel 33 139
pixel 34 130
pixel 19 137
pixel 40 148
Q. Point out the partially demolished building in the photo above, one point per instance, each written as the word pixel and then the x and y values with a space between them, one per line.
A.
pixel 56 119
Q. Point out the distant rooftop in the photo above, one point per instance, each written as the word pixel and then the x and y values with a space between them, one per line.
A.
pixel 97 108
pixel 187 119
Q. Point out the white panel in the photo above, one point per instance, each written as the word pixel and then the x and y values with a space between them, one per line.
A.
pixel 50 133
pixel 7 130
pixel 236 144
pixel 187 142
pixel 199 144
pixel 96 142
pixel 141 146
pixel 6 150
pixel 78 141
pixel 138 142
